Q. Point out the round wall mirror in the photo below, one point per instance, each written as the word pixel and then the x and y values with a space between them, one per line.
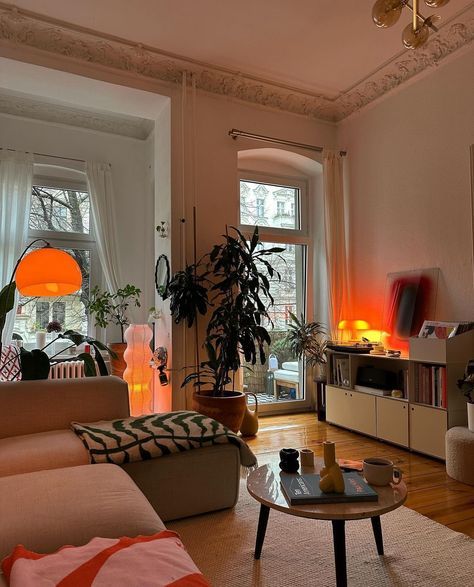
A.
pixel 162 276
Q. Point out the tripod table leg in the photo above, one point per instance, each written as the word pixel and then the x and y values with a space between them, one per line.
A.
pixel 339 537
pixel 262 527
pixel 377 528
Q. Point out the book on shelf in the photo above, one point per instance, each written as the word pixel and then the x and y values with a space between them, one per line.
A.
pixel 304 489
pixel 340 371
pixel 431 385
pixel 437 329
pixel 372 390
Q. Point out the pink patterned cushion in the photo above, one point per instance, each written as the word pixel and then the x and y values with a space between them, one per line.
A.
pixel 10 363
pixel 159 560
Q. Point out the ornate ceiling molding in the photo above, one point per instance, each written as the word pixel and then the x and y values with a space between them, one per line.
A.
pixel 26 29
pixel 21 105
pixel 450 38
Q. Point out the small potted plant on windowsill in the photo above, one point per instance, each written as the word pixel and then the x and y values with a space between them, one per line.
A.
pixel 234 280
pixel 111 308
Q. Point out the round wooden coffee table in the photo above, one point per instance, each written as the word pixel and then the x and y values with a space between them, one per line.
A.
pixel 264 485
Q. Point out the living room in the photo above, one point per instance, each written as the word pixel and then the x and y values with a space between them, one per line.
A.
pixel 102 84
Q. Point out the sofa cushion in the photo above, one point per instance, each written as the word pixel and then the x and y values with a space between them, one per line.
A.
pixel 52 404
pixel 44 450
pixel 49 509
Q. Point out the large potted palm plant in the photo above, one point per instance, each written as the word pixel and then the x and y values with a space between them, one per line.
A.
pixel 231 286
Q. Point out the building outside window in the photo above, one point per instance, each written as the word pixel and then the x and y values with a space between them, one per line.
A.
pixel 285 388
pixel 60 214
pixel 260 208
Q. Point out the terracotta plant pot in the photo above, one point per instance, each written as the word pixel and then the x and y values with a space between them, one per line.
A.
pixel 228 409
pixel 118 365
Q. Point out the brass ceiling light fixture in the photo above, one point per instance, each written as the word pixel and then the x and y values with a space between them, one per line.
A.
pixel 386 13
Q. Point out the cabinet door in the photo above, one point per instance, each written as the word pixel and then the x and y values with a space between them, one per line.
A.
pixel 337 406
pixel 427 430
pixel 392 420
pixel 362 413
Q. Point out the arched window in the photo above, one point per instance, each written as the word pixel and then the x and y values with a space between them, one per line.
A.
pixel 273 175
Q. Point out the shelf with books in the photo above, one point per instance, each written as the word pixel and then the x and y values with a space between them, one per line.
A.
pixel 339 370
pixel 430 385
pixel 431 402
pixel 436 365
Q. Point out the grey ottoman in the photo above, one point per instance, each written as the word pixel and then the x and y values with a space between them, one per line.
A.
pixel 460 454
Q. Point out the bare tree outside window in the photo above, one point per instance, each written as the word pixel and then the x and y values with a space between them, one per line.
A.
pixel 58 213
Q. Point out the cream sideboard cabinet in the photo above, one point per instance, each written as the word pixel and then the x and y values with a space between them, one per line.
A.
pixel 431 402
pixel 427 430
pixel 351 409
pixel 392 420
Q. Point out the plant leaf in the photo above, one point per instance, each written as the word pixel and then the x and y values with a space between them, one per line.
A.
pixel 89 364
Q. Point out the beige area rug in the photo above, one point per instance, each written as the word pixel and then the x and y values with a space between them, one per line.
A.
pixel 299 552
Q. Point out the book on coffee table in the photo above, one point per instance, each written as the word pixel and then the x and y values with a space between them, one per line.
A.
pixel 304 489
pixel 349 465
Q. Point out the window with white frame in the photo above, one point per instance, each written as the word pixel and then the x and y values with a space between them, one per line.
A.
pixel 60 213
pixel 285 224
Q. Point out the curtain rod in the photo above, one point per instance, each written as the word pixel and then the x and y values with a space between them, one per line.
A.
pixel 234 133
pixel 51 156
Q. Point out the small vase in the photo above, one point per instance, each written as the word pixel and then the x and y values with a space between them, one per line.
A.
pixel 249 426
pixel 470 416
pixel 289 460
pixel 40 339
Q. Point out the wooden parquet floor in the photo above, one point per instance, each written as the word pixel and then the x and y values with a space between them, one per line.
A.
pixel 430 491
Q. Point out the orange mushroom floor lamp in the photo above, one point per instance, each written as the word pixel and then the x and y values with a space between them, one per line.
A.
pixel 43 272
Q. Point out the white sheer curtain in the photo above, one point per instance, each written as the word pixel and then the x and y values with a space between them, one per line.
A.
pixel 335 231
pixel 16 179
pixel 99 179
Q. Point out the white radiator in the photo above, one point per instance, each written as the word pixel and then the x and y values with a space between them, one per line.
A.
pixel 67 370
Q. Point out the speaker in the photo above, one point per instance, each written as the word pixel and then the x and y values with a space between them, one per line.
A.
pixel 377 378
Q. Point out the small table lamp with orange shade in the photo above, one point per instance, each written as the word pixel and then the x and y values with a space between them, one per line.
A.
pixel 354 327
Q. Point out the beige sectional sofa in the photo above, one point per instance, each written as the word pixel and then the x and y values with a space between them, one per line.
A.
pixel 35 436
pixel 49 494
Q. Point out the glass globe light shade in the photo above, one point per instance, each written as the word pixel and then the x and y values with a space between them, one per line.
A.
pixel 48 272
pixel 386 13
pixel 412 39
pixel 436 3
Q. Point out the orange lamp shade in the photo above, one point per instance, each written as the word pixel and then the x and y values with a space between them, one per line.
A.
pixel 48 272
pixel 360 325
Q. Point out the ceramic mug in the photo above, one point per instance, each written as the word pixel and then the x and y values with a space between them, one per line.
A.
pixel 378 471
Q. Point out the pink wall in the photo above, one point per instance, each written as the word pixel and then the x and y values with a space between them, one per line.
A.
pixel 410 194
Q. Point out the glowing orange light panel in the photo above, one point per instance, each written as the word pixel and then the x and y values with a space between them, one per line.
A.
pixel 48 272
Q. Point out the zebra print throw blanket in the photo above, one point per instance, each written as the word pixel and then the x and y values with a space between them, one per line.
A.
pixel 155 435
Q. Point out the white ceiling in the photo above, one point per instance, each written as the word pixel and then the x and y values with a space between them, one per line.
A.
pixel 324 46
